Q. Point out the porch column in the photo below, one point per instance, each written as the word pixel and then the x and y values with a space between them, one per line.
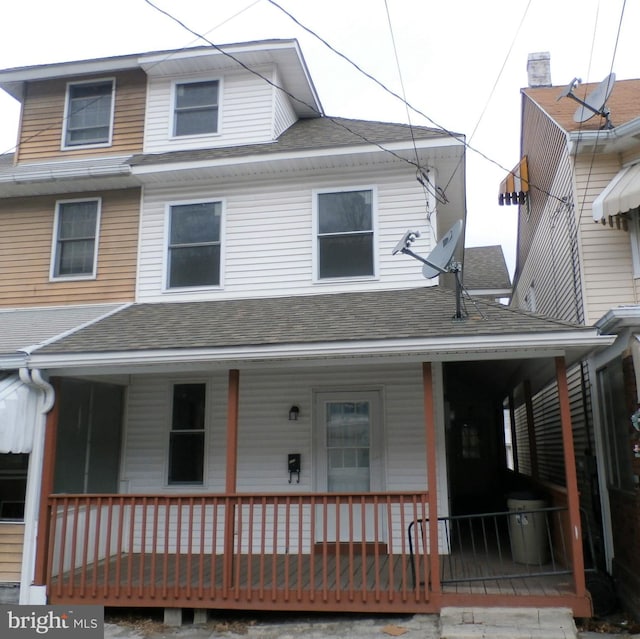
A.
pixel 231 479
pixel 533 447
pixel 46 489
pixel 577 557
pixel 432 475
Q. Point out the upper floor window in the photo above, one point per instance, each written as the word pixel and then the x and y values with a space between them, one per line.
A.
pixel 196 108
pixel 194 244
pixel 75 240
pixel 345 234
pixel 89 114
pixel 186 439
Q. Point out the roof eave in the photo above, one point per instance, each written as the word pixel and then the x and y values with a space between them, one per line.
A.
pixel 572 344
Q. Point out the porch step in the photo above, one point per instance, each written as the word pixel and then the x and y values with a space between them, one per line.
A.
pixel 507 623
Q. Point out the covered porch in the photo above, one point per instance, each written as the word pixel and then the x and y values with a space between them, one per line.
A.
pixel 248 535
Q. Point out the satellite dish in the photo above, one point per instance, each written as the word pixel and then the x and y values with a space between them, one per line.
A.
pixel 439 260
pixel 594 103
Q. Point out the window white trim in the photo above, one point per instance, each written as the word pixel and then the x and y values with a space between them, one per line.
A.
pixel 167 229
pixel 54 242
pixel 92 145
pixel 172 108
pixel 374 228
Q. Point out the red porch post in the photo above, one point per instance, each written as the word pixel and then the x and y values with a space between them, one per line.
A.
pixel 231 474
pixel 432 477
pixel 533 449
pixel 46 489
pixel 577 557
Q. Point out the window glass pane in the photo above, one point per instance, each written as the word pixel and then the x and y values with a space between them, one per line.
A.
pixel 194 266
pixel 188 406
pixel 197 94
pixel 195 223
pixel 89 113
pixel 346 255
pixel 196 109
pixel 75 247
pixel 186 458
pixel 344 212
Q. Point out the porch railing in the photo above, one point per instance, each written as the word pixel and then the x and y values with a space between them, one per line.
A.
pixel 335 551
pixel 490 547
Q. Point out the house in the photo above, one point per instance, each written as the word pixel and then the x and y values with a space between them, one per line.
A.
pixel 485 272
pixel 577 196
pixel 264 403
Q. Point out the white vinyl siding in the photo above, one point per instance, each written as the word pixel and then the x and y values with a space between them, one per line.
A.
pixel 268 236
pixel 607 260
pixel 266 435
pixel 283 114
pixel 245 104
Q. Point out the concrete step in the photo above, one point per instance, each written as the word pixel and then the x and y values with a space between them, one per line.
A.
pixel 507 623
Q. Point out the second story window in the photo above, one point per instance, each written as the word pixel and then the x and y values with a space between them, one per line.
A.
pixel 345 234
pixel 196 108
pixel 75 241
pixel 194 245
pixel 89 114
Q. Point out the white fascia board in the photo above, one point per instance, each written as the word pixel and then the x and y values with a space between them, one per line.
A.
pixel 12 80
pixel 619 317
pixel 269 158
pixel 438 349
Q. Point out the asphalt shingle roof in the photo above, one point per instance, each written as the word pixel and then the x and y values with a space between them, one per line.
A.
pixel 485 268
pixel 310 133
pixel 374 315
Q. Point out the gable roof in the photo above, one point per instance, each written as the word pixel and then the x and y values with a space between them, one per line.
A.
pixel 624 104
pixel 485 269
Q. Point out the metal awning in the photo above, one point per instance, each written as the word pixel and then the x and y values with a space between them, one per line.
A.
pixel 18 407
pixel 621 194
pixel 514 188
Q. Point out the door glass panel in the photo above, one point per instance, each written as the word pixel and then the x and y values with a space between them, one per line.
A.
pixel 348 441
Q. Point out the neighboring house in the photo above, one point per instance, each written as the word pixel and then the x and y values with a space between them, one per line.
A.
pixel 485 273
pixel 578 191
pixel 279 412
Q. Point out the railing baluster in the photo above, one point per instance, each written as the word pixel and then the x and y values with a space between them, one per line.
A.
pixel 202 550
pixel 96 549
pixel 250 549
pixel 143 547
pixel 287 543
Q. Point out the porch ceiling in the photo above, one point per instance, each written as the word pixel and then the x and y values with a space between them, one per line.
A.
pixel 387 326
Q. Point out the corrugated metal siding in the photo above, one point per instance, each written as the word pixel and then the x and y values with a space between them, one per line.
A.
pixel 26 228
pixel 268 235
pixel 246 113
pixel 43 114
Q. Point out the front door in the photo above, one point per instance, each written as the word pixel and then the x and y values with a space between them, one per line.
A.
pixel 349 462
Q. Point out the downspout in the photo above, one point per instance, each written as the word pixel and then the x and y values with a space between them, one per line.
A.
pixel 34 595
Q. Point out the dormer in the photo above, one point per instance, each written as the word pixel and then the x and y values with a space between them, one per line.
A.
pixel 210 97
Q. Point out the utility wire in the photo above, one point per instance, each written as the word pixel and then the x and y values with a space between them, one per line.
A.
pixel 456 136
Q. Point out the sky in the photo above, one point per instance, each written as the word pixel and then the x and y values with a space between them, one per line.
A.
pixel 461 63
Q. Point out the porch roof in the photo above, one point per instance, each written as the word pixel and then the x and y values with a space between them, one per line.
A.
pixel 409 322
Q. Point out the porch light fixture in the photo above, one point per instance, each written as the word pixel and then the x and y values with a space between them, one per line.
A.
pixel 294 411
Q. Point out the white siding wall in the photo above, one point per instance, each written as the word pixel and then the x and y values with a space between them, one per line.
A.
pixel 283 113
pixel 606 252
pixel 268 236
pixel 246 112
pixel 266 435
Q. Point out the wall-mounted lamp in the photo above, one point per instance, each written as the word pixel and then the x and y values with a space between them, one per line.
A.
pixel 294 411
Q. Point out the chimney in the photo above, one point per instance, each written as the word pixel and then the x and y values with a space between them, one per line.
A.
pixel 539 69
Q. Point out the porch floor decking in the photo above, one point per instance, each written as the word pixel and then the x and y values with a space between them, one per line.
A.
pixel 161 577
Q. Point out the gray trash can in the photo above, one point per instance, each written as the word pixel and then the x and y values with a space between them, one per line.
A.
pixel 528 530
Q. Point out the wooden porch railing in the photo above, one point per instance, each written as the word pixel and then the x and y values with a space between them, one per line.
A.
pixel 304 551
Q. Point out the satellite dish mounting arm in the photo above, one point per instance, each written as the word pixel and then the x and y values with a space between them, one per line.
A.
pixel 408 251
